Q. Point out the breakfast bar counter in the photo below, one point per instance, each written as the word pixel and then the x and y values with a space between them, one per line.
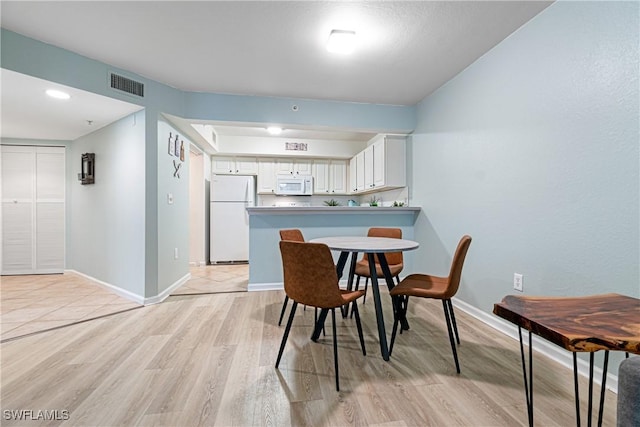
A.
pixel 331 210
pixel 265 222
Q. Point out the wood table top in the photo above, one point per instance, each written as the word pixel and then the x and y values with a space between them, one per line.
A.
pixel 367 244
pixel 587 323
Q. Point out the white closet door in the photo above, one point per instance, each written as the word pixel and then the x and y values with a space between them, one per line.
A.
pixel 33 192
pixel 18 173
pixel 49 220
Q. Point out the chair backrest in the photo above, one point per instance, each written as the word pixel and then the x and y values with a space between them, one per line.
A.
pixel 310 276
pixel 393 258
pixel 456 266
pixel 292 234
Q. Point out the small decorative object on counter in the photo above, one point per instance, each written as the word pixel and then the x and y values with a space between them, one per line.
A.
pixel 332 202
pixel 398 204
pixel 352 203
pixel 374 201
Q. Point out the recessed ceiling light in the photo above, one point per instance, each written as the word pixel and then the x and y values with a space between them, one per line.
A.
pixel 341 41
pixel 274 130
pixel 57 94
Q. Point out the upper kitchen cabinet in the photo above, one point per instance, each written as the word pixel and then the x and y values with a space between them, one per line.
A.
pixel 266 176
pixel 234 165
pixel 380 166
pixel 330 177
pixel 293 167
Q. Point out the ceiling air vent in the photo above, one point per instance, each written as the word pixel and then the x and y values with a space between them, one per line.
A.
pixel 127 85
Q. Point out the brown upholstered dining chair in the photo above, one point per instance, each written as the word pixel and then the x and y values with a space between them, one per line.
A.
pixel 293 235
pixel 310 278
pixel 394 259
pixel 442 288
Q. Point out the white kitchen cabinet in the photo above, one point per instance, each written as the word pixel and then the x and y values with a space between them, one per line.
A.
pixel 266 176
pixel 223 165
pixel 33 209
pixel 293 167
pixel 368 167
pixel 338 176
pixel 353 173
pixel 321 184
pixel 330 177
pixel 360 171
pixel 380 166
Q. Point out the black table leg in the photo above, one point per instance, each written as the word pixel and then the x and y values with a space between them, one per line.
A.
pixel 352 271
pixel 384 265
pixel 528 386
pixel 319 326
pixel 376 298
pixel 342 260
pixel 603 388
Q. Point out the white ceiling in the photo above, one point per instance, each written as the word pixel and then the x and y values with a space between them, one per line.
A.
pixel 28 113
pixel 406 49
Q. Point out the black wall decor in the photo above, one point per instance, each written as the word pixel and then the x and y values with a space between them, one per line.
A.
pixel 87 168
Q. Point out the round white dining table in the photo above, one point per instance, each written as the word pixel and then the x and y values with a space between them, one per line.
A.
pixel 373 247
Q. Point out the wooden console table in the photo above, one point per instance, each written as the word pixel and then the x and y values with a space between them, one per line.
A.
pixel 577 324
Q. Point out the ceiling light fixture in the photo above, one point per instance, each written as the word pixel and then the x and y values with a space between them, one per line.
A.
pixel 274 130
pixel 341 41
pixel 57 94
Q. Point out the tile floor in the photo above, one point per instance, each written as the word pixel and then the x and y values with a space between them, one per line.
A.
pixel 35 303
pixel 215 279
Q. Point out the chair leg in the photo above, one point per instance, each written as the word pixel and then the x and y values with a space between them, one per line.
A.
pixel 286 332
pixel 398 313
pixel 450 330
pixel 453 320
pixel 356 288
pixel 404 303
pixel 359 326
pixel 335 347
pixel 315 319
pixel 366 286
pixel 284 308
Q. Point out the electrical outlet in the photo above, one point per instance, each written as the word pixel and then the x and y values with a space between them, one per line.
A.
pixel 517 282
pixel 175 253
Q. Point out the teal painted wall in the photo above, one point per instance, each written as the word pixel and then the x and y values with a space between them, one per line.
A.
pixel 265 263
pixel 106 219
pixel 533 150
pixel 173 219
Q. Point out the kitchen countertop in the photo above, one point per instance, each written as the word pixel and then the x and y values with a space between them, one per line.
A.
pixel 360 210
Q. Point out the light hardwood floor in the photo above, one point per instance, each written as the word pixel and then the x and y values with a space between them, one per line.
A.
pixel 209 360
pixel 35 303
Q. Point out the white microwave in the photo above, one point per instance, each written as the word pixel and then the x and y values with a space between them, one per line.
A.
pixel 294 185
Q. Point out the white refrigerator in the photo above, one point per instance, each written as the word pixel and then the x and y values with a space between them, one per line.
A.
pixel 229 220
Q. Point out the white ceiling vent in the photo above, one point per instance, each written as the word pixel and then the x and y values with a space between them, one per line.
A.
pixel 124 84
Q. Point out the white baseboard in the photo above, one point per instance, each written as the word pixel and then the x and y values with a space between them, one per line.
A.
pixel 164 294
pixel 279 286
pixel 139 299
pixel 130 295
pixel 276 286
pixel 540 345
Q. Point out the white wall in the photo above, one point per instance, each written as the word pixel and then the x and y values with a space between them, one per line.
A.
pixel 275 146
pixel 106 220
pixel 533 151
